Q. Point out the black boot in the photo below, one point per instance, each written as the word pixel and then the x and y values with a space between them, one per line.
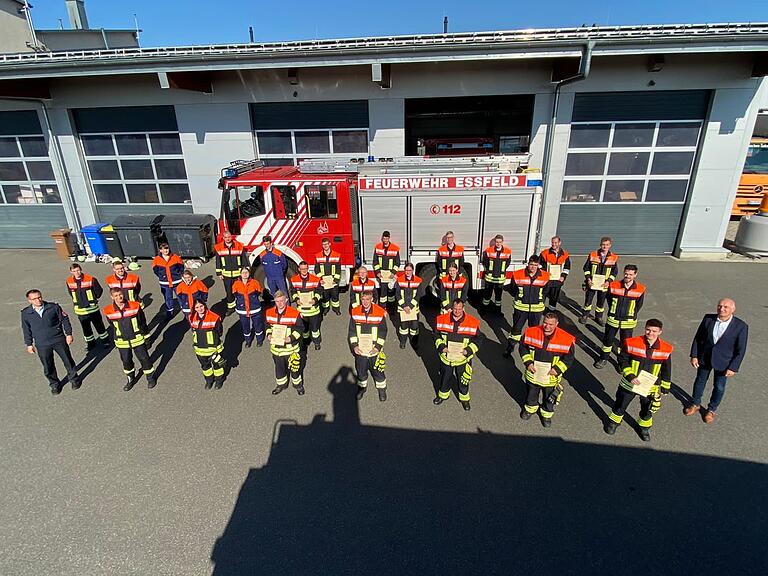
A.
pixel 300 389
pixel 337 311
pixel 278 389
pixel 546 422
pixel 382 394
pixel 151 381
pixel 402 344
pixel 248 343
pixel 583 318
pixel 318 346
pixel 56 389
pixel 610 427
pixel 645 434
pixel 600 363
pixel 525 415
pixel 130 380
pixel 360 392
pixel 75 382
pixel 510 348
pixel 218 383
pixel 208 382
pixel 465 405
pixel 599 320
pixel 437 401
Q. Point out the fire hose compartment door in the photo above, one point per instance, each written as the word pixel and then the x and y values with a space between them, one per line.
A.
pixel 379 214
pixel 433 216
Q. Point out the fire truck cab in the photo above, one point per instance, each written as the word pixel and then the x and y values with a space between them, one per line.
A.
pixel 418 199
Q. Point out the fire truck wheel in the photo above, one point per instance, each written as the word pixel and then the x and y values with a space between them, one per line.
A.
pixel 429 279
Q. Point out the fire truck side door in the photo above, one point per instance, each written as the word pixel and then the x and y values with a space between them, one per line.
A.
pixel 230 210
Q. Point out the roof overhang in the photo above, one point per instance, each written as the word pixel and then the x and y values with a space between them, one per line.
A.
pixel 503 45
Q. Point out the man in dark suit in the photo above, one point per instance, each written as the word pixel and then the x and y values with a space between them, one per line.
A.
pixel 720 344
pixel 47 329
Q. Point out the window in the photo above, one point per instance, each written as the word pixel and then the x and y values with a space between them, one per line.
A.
pixel 630 162
pixel 288 147
pixel 284 202
pixel 26 173
pixel 251 201
pixel 136 168
pixel 321 201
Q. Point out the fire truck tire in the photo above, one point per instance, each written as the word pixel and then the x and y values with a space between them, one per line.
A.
pixel 429 279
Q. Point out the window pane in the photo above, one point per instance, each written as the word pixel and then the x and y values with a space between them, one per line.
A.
pixel 321 201
pixel 666 190
pixel 40 171
pixel 278 161
pixel 137 169
pixel 8 148
pixel 589 135
pixel 109 193
pixel 623 190
pixel 170 169
pixel 252 201
pixel 11 171
pixel 581 190
pixel 633 135
pixel 585 164
pixel 50 194
pixel 12 193
pixel 104 169
pixel 165 143
pixel 142 193
pixel 682 134
pixel 284 202
pixel 175 193
pixel 33 146
pixel 350 141
pixel 32 194
pixel 131 144
pixel 274 143
pixel 312 142
pixel 98 145
pixel 672 163
pixel 628 163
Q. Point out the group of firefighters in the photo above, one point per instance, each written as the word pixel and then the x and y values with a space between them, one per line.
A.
pixel 392 289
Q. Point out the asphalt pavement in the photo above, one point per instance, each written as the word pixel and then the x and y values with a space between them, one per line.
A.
pixel 180 480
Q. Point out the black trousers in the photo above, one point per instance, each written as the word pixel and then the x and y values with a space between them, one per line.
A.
pixel 45 353
pixel 408 328
pixel 554 290
pixel 91 322
pixel 519 318
pixel 624 398
pixel 599 305
pixel 253 326
pixel 282 372
pixel 492 292
pixel 541 399
pixel 447 376
pixel 228 282
pixel 312 328
pixel 142 355
pixel 365 365
pixel 330 298
pixel 386 294
pixel 609 339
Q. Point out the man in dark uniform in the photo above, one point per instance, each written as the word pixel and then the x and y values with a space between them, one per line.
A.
pixel 47 329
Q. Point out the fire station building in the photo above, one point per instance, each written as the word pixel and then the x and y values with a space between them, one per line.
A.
pixel 640 132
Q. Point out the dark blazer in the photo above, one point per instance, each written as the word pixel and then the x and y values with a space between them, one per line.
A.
pixel 52 328
pixel 729 351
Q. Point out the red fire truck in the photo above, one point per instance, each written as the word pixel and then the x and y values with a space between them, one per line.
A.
pixel 416 198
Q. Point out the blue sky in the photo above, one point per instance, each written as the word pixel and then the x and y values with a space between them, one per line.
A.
pixel 184 22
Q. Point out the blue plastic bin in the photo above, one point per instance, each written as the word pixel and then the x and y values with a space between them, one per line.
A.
pixel 95 240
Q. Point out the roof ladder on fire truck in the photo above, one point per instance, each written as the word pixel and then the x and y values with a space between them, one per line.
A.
pixel 238 167
pixel 418 165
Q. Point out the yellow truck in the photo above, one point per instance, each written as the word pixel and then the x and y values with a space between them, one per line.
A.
pixel 754 179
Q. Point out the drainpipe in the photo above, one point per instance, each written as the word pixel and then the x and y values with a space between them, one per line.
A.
pixel 70 207
pixel 584 67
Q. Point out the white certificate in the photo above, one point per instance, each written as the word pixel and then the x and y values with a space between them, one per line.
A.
pixel 365 343
pixel 328 282
pixel 279 333
pixel 555 270
pixel 541 376
pixel 455 351
pixel 305 299
pixel 386 275
pixel 408 316
pixel 647 381
pixel 598 281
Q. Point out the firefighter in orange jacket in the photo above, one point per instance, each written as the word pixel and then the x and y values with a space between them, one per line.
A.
pixel 624 300
pixel 247 293
pixel 189 291
pixel 286 351
pixel 328 268
pixel 305 293
pixel 168 268
pixel 457 342
pixel 453 286
pixel 368 322
pixel 646 371
pixel 553 347
pixel 529 289
pixel 130 329
pixel 129 283
pixel 362 283
pixel 557 262
pixel 601 262
pixel 85 292
pixel 231 256
pixel 386 264
pixel 208 343
pixel 496 260
pixel 449 253
pixel 408 293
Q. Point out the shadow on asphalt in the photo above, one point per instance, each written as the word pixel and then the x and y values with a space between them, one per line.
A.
pixel 163 351
pixel 340 497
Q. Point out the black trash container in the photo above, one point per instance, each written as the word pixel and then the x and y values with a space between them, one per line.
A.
pixel 111 241
pixel 138 234
pixel 190 235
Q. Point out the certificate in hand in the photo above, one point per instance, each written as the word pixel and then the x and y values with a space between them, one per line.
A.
pixel 407 316
pixel 647 380
pixel 328 282
pixel 555 270
pixel 279 333
pixel 386 275
pixel 541 376
pixel 365 343
pixel 305 299
pixel 455 351
pixel 598 281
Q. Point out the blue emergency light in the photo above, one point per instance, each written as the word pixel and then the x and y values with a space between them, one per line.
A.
pixel 229 173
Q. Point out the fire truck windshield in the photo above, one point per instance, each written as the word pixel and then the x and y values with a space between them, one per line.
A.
pixel 251 201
